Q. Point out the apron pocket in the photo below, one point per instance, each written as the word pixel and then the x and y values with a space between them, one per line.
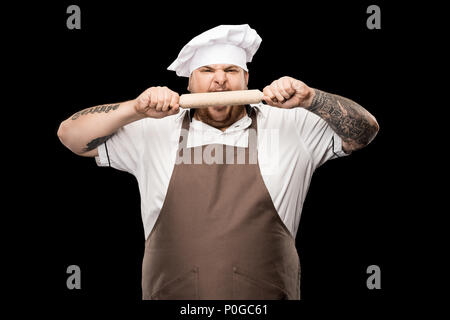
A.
pixel 246 287
pixel 183 287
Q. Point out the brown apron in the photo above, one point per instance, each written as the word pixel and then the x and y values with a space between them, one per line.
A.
pixel 218 235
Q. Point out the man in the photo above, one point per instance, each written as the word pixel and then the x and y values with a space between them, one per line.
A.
pixel 218 230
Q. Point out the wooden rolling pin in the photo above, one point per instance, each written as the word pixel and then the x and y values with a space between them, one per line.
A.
pixel 224 98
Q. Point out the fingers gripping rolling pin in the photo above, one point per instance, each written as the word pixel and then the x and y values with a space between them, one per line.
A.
pixel 224 98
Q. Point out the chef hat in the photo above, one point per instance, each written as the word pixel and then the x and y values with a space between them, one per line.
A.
pixel 224 44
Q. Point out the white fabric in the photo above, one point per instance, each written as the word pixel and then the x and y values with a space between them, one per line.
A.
pixel 292 143
pixel 221 53
pixel 230 44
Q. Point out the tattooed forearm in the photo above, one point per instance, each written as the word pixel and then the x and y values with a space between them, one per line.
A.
pixel 104 108
pixel 347 118
pixel 96 142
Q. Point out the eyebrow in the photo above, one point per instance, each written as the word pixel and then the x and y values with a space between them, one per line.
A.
pixel 226 68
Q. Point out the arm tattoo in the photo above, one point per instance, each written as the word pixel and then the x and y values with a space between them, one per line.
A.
pixel 104 108
pixel 96 142
pixel 347 118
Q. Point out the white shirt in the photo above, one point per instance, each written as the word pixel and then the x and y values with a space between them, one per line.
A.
pixel 291 144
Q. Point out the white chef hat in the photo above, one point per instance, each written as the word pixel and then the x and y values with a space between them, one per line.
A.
pixel 224 44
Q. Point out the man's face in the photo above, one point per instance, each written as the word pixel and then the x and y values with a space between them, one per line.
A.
pixel 218 77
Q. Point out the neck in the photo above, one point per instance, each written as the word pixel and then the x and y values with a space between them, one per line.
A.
pixel 235 113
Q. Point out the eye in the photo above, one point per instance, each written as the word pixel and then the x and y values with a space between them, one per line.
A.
pixel 206 70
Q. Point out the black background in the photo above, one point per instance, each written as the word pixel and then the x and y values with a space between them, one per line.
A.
pixel 73 212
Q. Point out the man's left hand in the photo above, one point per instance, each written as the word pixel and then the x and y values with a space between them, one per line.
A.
pixel 288 93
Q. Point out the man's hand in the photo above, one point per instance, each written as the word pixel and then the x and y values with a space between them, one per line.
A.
pixel 157 102
pixel 288 92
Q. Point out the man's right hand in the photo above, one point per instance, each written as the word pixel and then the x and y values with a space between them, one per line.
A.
pixel 157 102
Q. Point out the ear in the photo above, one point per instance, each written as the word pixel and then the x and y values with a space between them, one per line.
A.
pixel 246 77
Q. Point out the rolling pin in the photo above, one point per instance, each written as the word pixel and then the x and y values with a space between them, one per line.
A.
pixel 224 98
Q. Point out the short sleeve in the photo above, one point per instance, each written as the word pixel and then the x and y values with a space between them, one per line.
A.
pixel 318 137
pixel 122 150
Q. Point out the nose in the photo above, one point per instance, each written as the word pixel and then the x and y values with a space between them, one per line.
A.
pixel 220 77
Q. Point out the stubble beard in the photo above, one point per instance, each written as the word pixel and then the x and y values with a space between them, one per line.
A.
pixel 232 114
